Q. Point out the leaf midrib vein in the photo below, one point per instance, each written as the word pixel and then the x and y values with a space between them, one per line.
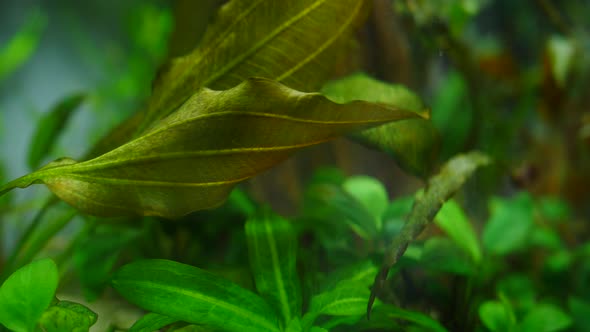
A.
pixel 277 273
pixel 263 41
pixel 203 117
pixel 325 45
pixel 147 183
pixel 248 315
pixel 181 155
pixel 344 301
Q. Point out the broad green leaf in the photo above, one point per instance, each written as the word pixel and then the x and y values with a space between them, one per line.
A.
pixel 454 222
pixel 346 299
pixel 333 205
pixel 272 248
pixel 413 143
pixel 22 45
pixel 440 188
pixel 26 294
pixel 418 318
pixel 269 39
pixel 360 86
pixel 193 295
pixel 193 158
pixel 151 322
pixel 252 38
pixel 545 318
pixel 510 224
pixel 496 316
pixel 50 127
pixel 67 316
pixel 370 192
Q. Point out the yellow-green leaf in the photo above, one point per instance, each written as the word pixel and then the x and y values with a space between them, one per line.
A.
pixel 414 143
pixel 191 159
pixel 67 316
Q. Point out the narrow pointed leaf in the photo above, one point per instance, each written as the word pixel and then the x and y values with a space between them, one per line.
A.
pixel 545 317
pixel 515 214
pixel 152 322
pixel 192 159
pixel 413 143
pixel 440 188
pixel 26 294
pixel 193 295
pixel 272 248
pixel 50 126
pixel 67 316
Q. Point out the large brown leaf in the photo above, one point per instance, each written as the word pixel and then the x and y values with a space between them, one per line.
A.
pixel 191 159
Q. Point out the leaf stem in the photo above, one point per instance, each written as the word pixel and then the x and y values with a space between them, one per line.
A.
pixel 22 182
